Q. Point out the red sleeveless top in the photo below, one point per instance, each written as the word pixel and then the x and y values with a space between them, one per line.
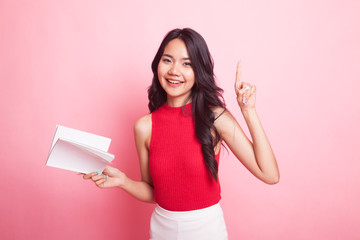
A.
pixel 179 174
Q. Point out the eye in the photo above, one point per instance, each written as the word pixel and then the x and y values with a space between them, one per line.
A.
pixel 166 60
pixel 187 64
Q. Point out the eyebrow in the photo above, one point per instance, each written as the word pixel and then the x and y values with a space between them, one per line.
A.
pixel 168 55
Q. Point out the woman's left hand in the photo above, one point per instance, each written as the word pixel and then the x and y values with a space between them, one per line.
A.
pixel 245 92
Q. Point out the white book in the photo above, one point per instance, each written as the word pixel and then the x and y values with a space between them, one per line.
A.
pixel 79 151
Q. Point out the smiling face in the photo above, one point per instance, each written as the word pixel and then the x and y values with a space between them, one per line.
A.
pixel 176 75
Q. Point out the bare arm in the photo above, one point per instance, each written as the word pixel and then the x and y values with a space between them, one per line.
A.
pixel 141 190
pixel 257 156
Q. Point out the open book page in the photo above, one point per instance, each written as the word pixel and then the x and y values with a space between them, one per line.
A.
pixel 92 140
pixel 79 151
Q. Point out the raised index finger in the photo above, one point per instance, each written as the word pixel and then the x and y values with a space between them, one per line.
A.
pixel 238 76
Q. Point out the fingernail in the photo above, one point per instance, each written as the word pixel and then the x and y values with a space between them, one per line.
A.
pixel 244 101
pixel 246 88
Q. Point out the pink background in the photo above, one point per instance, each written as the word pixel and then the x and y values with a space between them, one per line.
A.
pixel 86 65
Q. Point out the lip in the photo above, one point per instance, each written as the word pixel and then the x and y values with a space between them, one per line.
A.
pixel 172 81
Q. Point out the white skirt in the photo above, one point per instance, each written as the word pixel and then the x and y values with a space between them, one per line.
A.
pixel 207 223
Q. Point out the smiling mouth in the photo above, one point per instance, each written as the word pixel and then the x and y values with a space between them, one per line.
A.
pixel 174 81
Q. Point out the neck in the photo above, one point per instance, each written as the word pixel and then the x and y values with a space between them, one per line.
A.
pixel 177 102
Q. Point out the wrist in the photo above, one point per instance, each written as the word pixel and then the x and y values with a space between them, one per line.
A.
pixel 123 179
pixel 248 112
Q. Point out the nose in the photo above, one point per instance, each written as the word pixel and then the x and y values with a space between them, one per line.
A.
pixel 174 69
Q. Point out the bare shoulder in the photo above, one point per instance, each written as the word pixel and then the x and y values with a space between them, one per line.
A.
pixel 218 111
pixel 143 125
pixel 224 120
pixel 221 114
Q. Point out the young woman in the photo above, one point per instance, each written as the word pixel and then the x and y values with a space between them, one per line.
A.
pixel 179 142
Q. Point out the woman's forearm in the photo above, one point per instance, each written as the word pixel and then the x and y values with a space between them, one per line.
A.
pixel 140 190
pixel 263 152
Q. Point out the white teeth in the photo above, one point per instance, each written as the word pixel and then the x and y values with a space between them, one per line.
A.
pixel 174 82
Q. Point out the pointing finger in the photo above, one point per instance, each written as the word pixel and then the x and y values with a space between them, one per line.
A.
pixel 238 76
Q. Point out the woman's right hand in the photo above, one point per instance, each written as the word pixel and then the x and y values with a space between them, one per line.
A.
pixel 245 92
pixel 110 177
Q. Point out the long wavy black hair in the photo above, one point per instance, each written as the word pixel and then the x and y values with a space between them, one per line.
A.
pixel 205 94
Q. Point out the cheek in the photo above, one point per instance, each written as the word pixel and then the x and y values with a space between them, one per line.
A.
pixel 190 76
pixel 158 72
pixel 161 70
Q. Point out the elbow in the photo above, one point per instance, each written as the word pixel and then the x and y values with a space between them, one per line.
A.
pixel 273 177
pixel 272 180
